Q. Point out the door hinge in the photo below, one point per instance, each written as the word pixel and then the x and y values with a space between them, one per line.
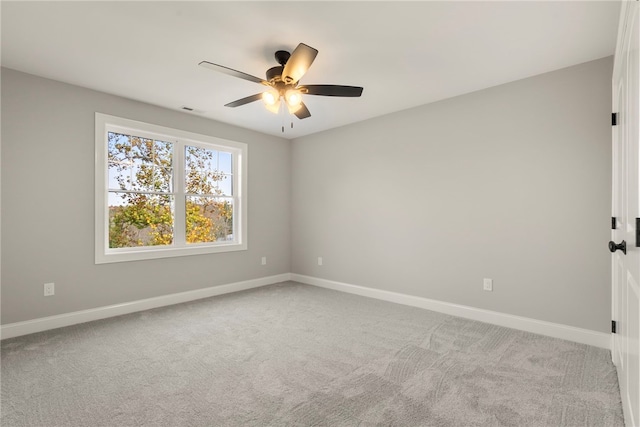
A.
pixel 614 119
pixel 613 326
pixel 637 232
pixel 613 222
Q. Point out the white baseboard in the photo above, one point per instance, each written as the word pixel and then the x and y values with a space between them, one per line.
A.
pixel 52 322
pixel 556 330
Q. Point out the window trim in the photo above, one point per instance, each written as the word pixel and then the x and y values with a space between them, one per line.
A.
pixel 103 254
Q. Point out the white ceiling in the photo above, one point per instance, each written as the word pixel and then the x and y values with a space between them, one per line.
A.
pixel 404 54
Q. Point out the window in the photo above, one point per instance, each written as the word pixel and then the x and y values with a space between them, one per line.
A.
pixel 163 192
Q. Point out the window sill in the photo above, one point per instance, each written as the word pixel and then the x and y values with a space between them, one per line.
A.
pixel 134 254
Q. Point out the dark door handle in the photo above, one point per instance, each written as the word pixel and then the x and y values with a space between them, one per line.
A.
pixel 621 246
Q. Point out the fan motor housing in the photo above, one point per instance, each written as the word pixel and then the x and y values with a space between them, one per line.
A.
pixel 282 56
pixel 274 72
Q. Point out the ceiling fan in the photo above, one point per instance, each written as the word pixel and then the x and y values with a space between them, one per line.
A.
pixel 283 82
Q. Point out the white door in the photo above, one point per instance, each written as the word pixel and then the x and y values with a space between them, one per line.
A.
pixel 625 207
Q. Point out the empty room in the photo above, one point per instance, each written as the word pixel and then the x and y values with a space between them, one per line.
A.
pixel 346 213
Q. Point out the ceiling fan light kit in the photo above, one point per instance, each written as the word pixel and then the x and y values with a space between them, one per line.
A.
pixel 283 82
pixel 293 97
pixel 270 97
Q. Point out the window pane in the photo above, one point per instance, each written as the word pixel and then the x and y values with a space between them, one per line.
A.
pixel 137 219
pixel 117 145
pixel 163 181
pixel 141 175
pixel 141 148
pixel 201 169
pixel 117 199
pixel 201 158
pixel 139 164
pixel 163 166
pixel 225 162
pixel 225 185
pixel 209 219
pixel 143 172
pixel 163 161
pixel 118 174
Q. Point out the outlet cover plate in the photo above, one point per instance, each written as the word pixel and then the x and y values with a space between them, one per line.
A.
pixel 49 289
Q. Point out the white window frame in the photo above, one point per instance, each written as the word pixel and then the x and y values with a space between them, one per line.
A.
pixel 103 254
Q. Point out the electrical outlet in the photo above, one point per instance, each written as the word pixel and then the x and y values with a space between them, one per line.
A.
pixel 49 289
pixel 487 284
pixel 319 260
pixel 264 260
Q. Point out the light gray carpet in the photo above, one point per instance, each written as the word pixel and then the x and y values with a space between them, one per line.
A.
pixel 297 355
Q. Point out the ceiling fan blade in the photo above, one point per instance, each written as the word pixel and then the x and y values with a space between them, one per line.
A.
pixel 301 59
pixel 246 100
pixel 333 90
pixel 303 112
pixel 232 72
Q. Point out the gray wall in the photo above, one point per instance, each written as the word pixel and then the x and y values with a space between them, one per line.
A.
pixel 48 204
pixel 511 183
